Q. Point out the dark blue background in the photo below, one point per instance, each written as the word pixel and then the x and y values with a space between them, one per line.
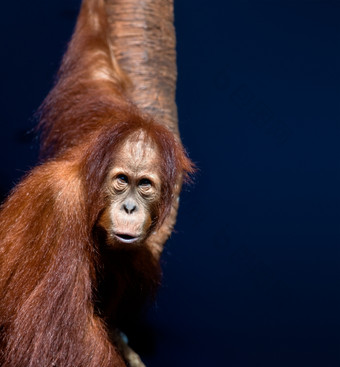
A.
pixel 251 276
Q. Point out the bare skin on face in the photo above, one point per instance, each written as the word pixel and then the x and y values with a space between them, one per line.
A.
pixel 134 192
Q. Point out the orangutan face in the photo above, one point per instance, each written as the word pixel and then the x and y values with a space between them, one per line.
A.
pixel 134 187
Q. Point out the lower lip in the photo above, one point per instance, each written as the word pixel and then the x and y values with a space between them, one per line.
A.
pixel 126 240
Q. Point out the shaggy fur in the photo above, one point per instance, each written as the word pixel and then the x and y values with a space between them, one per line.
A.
pixel 61 286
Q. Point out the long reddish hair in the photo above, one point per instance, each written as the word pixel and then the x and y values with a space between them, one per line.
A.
pixel 48 253
pixel 51 255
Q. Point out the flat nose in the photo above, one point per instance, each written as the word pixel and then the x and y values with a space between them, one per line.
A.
pixel 129 206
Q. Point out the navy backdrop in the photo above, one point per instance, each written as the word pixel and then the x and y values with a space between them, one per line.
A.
pixel 251 276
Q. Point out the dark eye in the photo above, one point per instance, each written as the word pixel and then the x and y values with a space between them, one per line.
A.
pixel 144 182
pixel 123 178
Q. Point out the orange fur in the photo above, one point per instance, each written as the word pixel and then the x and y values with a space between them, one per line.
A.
pixel 58 280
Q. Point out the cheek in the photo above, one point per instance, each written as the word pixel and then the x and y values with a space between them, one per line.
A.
pixel 105 220
pixel 153 211
pixel 147 222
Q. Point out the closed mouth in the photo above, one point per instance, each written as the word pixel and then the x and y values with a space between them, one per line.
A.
pixel 126 238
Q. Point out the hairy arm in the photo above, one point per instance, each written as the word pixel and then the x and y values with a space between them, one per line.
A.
pixel 90 85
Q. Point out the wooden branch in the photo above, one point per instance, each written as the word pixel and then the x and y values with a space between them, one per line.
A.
pixel 143 40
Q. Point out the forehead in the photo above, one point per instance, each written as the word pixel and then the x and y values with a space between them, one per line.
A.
pixel 138 155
